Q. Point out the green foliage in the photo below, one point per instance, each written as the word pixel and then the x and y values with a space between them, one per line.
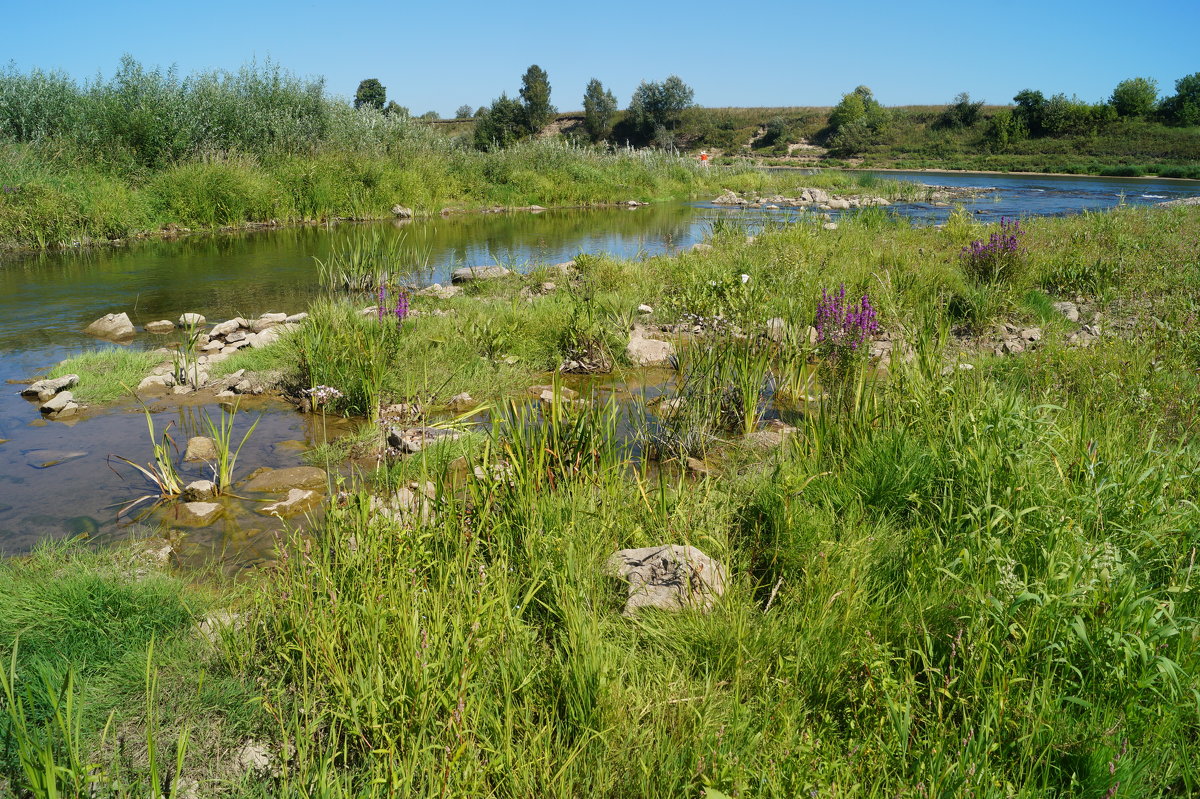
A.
pixel 962 113
pixel 106 374
pixel 599 107
pixel 371 94
pixel 464 112
pixel 1135 97
pixel 504 123
pixel 535 99
pixel 658 105
pixel 1183 107
pixel 857 122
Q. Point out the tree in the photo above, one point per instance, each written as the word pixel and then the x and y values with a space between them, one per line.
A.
pixel 464 112
pixel 432 116
pixel 1031 106
pixel 962 113
pixel 1135 97
pixel 1183 107
pixel 599 105
pixel 502 124
pixel 371 93
pixel 658 105
pixel 856 122
pixel 395 109
pixel 535 95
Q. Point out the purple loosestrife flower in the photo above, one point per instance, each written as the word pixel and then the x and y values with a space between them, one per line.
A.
pixel 401 307
pixel 381 306
pixel 990 260
pixel 843 326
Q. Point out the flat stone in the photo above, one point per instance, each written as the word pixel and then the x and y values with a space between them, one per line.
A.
pixel 111 326
pixel 197 514
pixel 45 389
pixel 191 320
pixel 45 458
pixel 438 291
pixel 415 439
pixel 1068 309
pixel 296 318
pixel 161 326
pixel 470 274
pixel 563 391
pixel 298 500
pixel 200 448
pixel 266 321
pixel 228 326
pixel 199 490
pixel 155 384
pixel 776 329
pixel 56 403
pixel 668 577
pixel 278 481
pixel 461 402
pixel 644 309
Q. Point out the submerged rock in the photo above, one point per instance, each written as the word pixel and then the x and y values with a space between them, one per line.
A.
pixel 668 577
pixel 282 480
pixel 298 500
pixel 199 490
pixel 191 320
pixel 111 326
pixel 45 389
pixel 161 326
pixel 197 514
pixel 45 458
pixel 200 448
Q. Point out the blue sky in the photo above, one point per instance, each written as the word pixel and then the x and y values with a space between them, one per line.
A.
pixel 439 55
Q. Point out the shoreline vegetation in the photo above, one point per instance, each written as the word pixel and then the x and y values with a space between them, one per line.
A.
pixel 149 152
pixel 969 571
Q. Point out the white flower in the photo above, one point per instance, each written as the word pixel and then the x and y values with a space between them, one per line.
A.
pixel 745 279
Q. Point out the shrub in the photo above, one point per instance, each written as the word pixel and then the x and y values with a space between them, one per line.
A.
pixel 997 259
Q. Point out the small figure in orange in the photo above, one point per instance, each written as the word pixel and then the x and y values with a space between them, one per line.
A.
pixel 704 157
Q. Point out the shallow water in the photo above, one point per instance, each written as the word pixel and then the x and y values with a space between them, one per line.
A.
pixel 47 299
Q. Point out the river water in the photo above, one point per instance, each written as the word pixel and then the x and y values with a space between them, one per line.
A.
pixel 47 299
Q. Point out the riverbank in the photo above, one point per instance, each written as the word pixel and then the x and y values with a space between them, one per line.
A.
pixel 871 539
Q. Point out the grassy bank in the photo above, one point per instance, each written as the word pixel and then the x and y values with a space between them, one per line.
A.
pixel 946 582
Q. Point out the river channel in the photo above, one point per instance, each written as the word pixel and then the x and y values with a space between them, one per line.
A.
pixel 55 479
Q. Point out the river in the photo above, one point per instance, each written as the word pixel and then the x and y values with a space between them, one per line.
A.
pixel 47 299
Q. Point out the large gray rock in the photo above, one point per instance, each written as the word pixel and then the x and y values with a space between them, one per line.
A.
pixel 278 481
pixel 112 326
pixel 469 274
pixel 191 320
pixel 228 326
pixel 156 384
pixel 438 291
pixel 161 326
pixel 267 320
pixel 45 389
pixel 728 197
pixel 1068 309
pixel 669 577
pixel 401 212
pixel 197 514
pixel 643 351
pixel 57 403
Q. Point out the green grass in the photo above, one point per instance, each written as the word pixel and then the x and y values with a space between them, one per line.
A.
pixel 955 583
pixel 107 375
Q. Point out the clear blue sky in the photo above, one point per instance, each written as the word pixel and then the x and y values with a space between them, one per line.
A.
pixel 435 55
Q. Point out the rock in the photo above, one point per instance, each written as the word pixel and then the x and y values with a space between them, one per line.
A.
pixel 111 326
pixel 1011 346
pixel 470 274
pixel 45 389
pixel 811 334
pixel 440 292
pixel 155 384
pixel 161 326
pixel 547 287
pixel 199 490
pixel 415 439
pixel 255 759
pixel 565 268
pixel 644 309
pixel 235 336
pixel 191 320
pixel 668 577
pixel 298 500
pixel 542 391
pixel 45 458
pixel 1068 309
pixel 216 345
pixel 197 514
pixel 401 212
pixel 263 339
pixel 1030 333
pixel 461 402
pixel 643 351
pixel 818 196
pixel 728 197
pixel 212 625
pixel 776 329
pixel 266 321
pixel 200 448
pixel 829 226
pixel 770 437
pixel 181 389
pixel 229 326
pixel 696 466
pixel 296 318
pixel 411 503
pixel 278 481
pixel 701 247
pixel 57 403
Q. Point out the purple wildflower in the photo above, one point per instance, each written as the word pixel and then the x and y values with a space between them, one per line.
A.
pixel 381 306
pixel 1002 248
pixel 401 307
pixel 322 395
pixel 843 326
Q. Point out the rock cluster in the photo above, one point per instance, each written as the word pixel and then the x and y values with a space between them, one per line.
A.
pixel 807 197
pixel 56 401
pixel 669 577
